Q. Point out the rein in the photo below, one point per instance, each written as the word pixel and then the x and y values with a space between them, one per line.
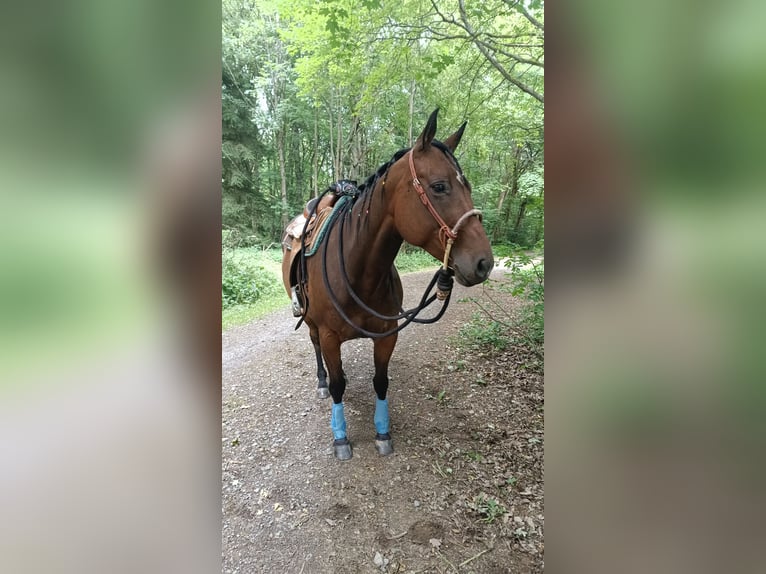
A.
pixel 442 278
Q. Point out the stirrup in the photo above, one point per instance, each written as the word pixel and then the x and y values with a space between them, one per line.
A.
pixel 297 309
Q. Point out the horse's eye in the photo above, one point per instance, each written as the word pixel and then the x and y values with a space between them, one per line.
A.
pixel 439 187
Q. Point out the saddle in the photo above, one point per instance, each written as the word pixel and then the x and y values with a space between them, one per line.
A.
pixel 317 212
pixel 294 229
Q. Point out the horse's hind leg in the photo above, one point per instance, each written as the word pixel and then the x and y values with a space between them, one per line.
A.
pixel 322 391
pixel 331 352
pixel 383 350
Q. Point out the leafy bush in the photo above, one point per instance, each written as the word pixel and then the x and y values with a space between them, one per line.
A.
pixel 481 333
pixel 230 239
pixel 504 250
pixel 414 259
pixel 236 238
pixel 244 283
pixel 527 281
pixel 273 254
pixel 496 328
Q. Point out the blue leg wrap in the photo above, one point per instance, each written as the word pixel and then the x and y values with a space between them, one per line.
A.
pixel 381 416
pixel 338 421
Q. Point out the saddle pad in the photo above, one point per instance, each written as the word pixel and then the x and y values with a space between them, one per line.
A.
pixel 320 226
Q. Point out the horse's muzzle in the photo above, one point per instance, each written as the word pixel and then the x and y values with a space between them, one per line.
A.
pixel 473 272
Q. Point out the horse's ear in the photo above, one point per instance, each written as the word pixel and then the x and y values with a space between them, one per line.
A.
pixel 452 141
pixel 424 141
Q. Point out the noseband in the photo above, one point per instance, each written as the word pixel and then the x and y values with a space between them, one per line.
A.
pixel 447 236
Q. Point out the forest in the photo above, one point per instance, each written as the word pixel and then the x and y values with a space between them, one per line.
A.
pixel 317 91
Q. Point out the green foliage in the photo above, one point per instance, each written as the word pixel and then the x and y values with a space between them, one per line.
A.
pixel 244 283
pixel 265 264
pixel 314 93
pixel 526 276
pixel 241 314
pixel 504 250
pixel 474 455
pixel 493 327
pixel 489 508
pixel 252 277
pixel 236 238
pixel 272 255
pixel 416 260
pixel 520 222
pixel 527 281
pixel 480 333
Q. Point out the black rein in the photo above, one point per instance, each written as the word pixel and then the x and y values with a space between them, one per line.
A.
pixel 410 316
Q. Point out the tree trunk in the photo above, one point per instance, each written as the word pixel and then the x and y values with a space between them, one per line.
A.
pixel 501 200
pixel 510 189
pixel 332 137
pixel 412 109
pixel 355 149
pixel 512 185
pixel 339 150
pixel 520 215
pixel 516 172
pixel 282 175
pixel 315 155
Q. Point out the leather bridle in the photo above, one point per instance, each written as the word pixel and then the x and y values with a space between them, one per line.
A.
pixel 447 235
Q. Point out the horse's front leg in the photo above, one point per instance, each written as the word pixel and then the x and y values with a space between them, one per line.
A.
pixel 331 351
pixel 322 391
pixel 383 349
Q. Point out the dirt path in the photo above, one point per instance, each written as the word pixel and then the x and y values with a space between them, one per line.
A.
pixel 467 429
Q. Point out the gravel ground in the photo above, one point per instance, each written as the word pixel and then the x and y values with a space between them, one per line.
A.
pixel 463 491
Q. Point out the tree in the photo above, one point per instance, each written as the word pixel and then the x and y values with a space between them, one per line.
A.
pixel 314 93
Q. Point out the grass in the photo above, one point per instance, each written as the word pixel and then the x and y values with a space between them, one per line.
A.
pixel 489 508
pixel 241 314
pixel 270 260
pixel 474 455
pixel 410 261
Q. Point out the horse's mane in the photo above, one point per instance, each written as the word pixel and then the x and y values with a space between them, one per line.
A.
pixel 370 182
pixel 364 198
pixel 366 189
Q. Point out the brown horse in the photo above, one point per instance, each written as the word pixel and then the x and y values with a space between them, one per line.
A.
pixel 351 289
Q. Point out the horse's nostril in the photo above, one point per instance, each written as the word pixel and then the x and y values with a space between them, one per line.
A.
pixel 484 267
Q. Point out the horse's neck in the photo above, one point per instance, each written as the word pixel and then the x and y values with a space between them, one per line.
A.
pixel 372 241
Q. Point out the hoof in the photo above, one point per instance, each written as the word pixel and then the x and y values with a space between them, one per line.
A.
pixel 383 444
pixel 323 392
pixel 342 449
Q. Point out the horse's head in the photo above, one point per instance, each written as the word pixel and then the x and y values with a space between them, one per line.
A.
pixel 443 185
